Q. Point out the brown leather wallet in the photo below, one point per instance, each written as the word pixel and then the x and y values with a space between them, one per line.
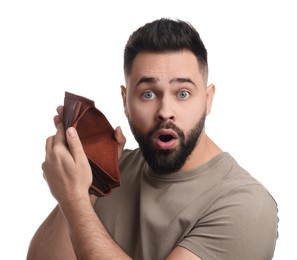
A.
pixel 96 135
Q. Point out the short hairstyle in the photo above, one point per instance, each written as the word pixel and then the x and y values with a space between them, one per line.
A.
pixel 164 35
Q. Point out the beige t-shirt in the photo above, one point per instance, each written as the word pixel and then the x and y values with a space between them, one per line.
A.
pixel 218 211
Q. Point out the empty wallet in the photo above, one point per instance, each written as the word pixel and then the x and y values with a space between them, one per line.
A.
pixel 97 138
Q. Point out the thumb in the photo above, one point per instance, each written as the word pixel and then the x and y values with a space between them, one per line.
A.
pixel 121 140
pixel 74 144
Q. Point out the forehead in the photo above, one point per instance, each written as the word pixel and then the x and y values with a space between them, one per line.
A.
pixel 165 66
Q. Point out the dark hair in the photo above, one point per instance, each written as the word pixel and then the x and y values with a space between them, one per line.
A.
pixel 164 35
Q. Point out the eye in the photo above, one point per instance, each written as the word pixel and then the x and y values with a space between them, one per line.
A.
pixel 148 94
pixel 183 94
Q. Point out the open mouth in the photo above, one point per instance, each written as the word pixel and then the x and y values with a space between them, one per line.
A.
pixel 166 138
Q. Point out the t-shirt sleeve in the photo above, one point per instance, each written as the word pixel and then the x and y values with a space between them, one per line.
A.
pixel 241 224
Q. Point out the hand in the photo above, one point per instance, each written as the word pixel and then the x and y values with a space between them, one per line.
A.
pixel 66 167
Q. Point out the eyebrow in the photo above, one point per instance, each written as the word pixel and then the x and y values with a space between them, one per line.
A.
pixel 182 80
pixel 153 80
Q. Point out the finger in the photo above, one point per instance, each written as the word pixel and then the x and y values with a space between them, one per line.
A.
pixel 43 173
pixel 43 167
pixel 60 134
pixel 119 136
pixel 49 143
pixel 57 120
pixel 121 139
pixel 60 110
pixel 74 144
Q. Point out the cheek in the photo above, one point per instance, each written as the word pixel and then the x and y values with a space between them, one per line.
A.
pixel 189 117
pixel 141 116
pixel 187 121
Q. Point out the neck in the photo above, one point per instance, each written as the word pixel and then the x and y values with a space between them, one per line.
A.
pixel 204 151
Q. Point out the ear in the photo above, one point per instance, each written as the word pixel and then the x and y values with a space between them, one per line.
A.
pixel 124 95
pixel 210 92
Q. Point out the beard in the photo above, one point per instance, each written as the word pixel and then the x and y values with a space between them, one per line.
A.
pixel 165 162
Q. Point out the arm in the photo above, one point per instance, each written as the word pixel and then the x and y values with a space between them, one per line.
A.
pixel 51 240
pixel 182 253
pixel 73 228
pixel 88 236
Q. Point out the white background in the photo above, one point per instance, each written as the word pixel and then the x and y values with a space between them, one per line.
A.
pixel 47 47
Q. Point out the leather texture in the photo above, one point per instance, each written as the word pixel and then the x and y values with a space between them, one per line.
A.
pixel 96 135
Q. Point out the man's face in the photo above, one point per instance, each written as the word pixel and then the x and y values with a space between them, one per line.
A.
pixel 166 102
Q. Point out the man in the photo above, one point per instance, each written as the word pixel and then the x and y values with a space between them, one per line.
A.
pixel 181 196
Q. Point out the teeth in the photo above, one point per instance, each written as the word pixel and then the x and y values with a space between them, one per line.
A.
pixel 165 138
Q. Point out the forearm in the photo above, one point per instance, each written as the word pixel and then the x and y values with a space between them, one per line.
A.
pixel 51 240
pixel 89 237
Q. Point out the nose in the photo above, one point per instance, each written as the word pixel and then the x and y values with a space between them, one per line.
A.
pixel 165 111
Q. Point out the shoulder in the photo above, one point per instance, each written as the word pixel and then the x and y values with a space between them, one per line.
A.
pixel 241 211
pixel 239 185
pixel 242 196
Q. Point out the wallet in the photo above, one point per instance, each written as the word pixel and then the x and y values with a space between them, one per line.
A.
pixel 97 138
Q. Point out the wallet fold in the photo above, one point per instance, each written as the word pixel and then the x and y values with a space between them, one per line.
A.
pixel 97 138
